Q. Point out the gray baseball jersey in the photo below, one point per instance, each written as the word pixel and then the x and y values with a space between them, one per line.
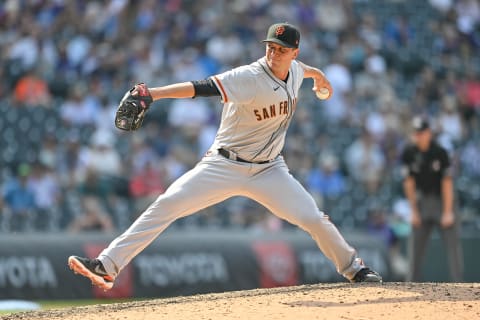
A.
pixel 258 108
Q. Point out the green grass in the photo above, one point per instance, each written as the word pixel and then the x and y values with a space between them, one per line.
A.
pixel 60 304
pixel 55 304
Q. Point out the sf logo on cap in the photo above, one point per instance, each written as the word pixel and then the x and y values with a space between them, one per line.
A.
pixel 280 30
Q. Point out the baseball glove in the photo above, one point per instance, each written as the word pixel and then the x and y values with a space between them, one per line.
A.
pixel 133 107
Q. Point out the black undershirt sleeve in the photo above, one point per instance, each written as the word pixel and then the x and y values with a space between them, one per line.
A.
pixel 205 88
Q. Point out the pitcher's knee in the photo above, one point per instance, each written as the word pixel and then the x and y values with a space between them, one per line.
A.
pixel 312 221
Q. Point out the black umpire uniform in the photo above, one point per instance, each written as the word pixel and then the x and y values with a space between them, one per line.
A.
pixel 428 187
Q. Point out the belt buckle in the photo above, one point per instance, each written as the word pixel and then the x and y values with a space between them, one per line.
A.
pixel 227 154
pixel 232 155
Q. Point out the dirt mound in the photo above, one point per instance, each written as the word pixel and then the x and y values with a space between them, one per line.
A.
pixel 322 301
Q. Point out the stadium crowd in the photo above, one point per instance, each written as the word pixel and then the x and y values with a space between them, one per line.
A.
pixel 66 64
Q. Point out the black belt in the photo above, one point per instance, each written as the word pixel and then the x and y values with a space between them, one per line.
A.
pixel 226 154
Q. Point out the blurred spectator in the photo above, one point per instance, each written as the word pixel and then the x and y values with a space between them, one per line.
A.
pixel 378 226
pixel 105 118
pixel 50 153
pixel 372 80
pixel 205 139
pixel 75 111
pixel 337 107
pixel 441 5
pixel 299 160
pixel 376 122
pixel 468 15
pixel 102 157
pixel 450 84
pixel 469 92
pixel 144 62
pixel 32 91
pixel 77 47
pixel 306 13
pixel 365 161
pixel 25 50
pixel 92 218
pixel 326 179
pixel 447 38
pixel 281 9
pixel 145 18
pixel 70 166
pixel 353 50
pixel 176 162
pixel 225 47
pixel 401 217
pixel 420 103
pixel 189 66
pixel 148 178
pixel 399 32
pixel 304 123
pixel 470 158
pixel 159 137
pixel 332 15
pixel 449 120
pixel 141 154
pixel 189 114
pixel 375 63
pixel 93 193
pixel 428 85
pixel 47 197
pixel 146 184
pixel 19 207
pixel 368 30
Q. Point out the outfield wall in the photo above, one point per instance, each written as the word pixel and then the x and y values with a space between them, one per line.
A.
pixel 34 266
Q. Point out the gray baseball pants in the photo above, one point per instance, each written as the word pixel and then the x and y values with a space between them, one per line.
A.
pixel 215 179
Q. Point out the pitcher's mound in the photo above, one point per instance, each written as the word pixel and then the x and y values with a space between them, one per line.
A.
pixel 389 301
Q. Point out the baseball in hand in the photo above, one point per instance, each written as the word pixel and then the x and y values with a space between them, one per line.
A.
pixel 323 93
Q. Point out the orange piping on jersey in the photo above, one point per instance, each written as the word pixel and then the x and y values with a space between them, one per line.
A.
pixel 224 94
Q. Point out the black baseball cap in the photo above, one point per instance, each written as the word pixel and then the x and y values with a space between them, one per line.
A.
pixel 420 123
pixel 283 34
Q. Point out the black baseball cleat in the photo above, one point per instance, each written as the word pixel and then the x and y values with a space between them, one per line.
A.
pixel 366 275
pixel 92 269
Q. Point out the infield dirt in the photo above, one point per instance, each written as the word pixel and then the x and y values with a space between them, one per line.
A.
pixel 388 301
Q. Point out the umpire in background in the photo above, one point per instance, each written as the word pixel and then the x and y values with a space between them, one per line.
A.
pixel 428 186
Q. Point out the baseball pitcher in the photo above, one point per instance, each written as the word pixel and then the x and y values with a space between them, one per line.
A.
pixel 245 159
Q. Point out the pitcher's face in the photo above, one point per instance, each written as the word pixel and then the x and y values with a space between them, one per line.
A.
pixel 278 56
